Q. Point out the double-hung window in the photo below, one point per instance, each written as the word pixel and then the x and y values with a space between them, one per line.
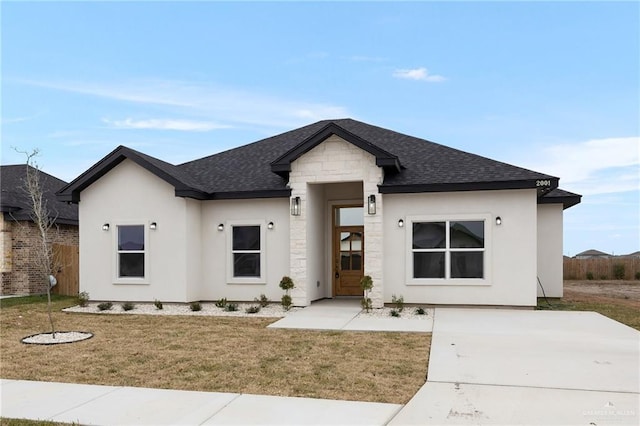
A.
pixel 246 245
pixel 131 251
pixel 448 249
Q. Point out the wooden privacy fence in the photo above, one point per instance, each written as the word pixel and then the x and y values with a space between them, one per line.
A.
pixel 68 276
pixel 600 268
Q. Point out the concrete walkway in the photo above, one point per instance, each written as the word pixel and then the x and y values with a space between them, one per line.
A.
pixel 345 314
pixel 486 367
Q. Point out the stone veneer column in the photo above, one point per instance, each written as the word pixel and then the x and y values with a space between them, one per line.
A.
pixel 335 160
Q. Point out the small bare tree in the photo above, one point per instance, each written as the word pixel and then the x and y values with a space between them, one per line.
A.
pixel 44 221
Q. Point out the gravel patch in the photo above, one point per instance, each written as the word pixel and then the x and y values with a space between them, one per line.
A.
pixel 60 337
pixel 273 310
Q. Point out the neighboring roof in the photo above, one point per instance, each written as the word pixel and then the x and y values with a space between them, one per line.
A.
pixel 15 203
pixel 634 254
pixel 568 199
pixel 592 252
pixel 260 169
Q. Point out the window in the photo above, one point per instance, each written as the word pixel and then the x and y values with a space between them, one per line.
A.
pixel 450 249
pixel 246 251
pixel 131 251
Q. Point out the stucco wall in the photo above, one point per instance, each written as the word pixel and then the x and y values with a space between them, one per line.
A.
pixel 510 259
pixel 334 160
pixel 216 253
pixel 128 195
pixel 550 249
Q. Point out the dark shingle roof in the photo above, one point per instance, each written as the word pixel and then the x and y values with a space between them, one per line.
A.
pixel 15 203
pixel 568 199
pixel 260 169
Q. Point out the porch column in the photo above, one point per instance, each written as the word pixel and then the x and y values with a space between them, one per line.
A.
pixel 373 243
pixel 298 248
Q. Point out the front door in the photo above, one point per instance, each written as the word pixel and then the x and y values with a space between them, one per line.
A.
pixel 348 260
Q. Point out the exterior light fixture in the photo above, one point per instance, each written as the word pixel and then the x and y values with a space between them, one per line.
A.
pixel 153 225
pixel 295 206
pixel 371 204
pixel 498 220
pixel 270 225
pixel 105 227
pixel 221 227
pixel 401 223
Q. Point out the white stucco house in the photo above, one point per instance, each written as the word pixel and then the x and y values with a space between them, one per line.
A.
pixel 323 204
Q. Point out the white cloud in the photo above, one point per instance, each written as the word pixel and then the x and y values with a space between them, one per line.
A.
pixel 597 166
pixel 165 124
pixel 199 99
pixel 420 74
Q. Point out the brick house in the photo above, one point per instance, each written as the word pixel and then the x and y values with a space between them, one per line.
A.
pixel 324 204
pixel 19 234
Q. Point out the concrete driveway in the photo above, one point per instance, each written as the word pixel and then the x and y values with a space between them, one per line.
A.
pixel 494 366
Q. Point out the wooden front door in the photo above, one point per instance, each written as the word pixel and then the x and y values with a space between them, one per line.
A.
pixel 348 260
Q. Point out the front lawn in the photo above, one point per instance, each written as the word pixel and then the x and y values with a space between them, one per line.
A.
pixel 213 354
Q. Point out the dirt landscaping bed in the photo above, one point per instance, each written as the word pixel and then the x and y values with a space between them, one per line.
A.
pixel 214 354
pixel 619 300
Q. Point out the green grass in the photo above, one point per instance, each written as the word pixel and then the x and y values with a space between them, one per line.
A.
pixel 37 298
pixel 24 422
pixel 616 309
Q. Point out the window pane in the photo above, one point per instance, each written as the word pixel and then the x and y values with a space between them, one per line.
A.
pixel 428 265
pixel 467 234
pixel 427 235
pixel 345 261
pixel 246 264
pixel 246 238
pixel 356 241
pixel 467 264
pixel 131 237
pixel 132 265
pixel 356 261
pixel 350 216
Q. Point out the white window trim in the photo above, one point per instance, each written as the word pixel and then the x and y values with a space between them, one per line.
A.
pixel 487 258
pixel 228 227
pixel 117 279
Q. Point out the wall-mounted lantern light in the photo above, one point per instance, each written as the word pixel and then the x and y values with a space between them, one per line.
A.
pixel 498 220
pixel 153 226
pixel 371 204
pixel 401 223
pixel 295 206
pixel 270 225
pixel 105 227
pixel 221 227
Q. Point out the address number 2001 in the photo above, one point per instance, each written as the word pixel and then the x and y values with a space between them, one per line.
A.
pixel 545 182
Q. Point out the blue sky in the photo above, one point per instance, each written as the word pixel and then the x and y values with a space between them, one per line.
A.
pixel 549 86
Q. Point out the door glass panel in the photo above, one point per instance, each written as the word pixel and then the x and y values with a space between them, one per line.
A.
pixel 350 216
pixel 345 241
pixel 356 241
pixel 356 261
pixel 345 261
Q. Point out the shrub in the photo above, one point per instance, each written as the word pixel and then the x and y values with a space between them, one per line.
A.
pixel 399 302
pixel 127 306
pixel 263 300
pixel 637 275
pixel 254 309
pixel 221 303
pixel 158 304
pixel 286 302
pixel 420 311
pixel 395 313
pixel 366 284
pixel 286 283
pixel 83 298
pixel 603 277
pixel 105 306
pixel 589 275
pixel 231 307
pixel 195 306
pixel 618 271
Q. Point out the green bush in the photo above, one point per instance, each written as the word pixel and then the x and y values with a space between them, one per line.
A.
pixel 262 300
pixel 395 313
pixel 221 303
pixel 254 309
pixel 195 306
pixel 127 306
pixel 618 271
pixel 105 306
pixel 603 277
pixel 398 301
pixel 589 275
pixel 637 275
pixel 83 298
pixel 366 304
pixel 420 311
pixel 286 283
pixel 286 302
pixel 158 304
pixel 231 307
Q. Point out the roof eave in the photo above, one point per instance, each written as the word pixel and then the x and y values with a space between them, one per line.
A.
pixel 459 186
